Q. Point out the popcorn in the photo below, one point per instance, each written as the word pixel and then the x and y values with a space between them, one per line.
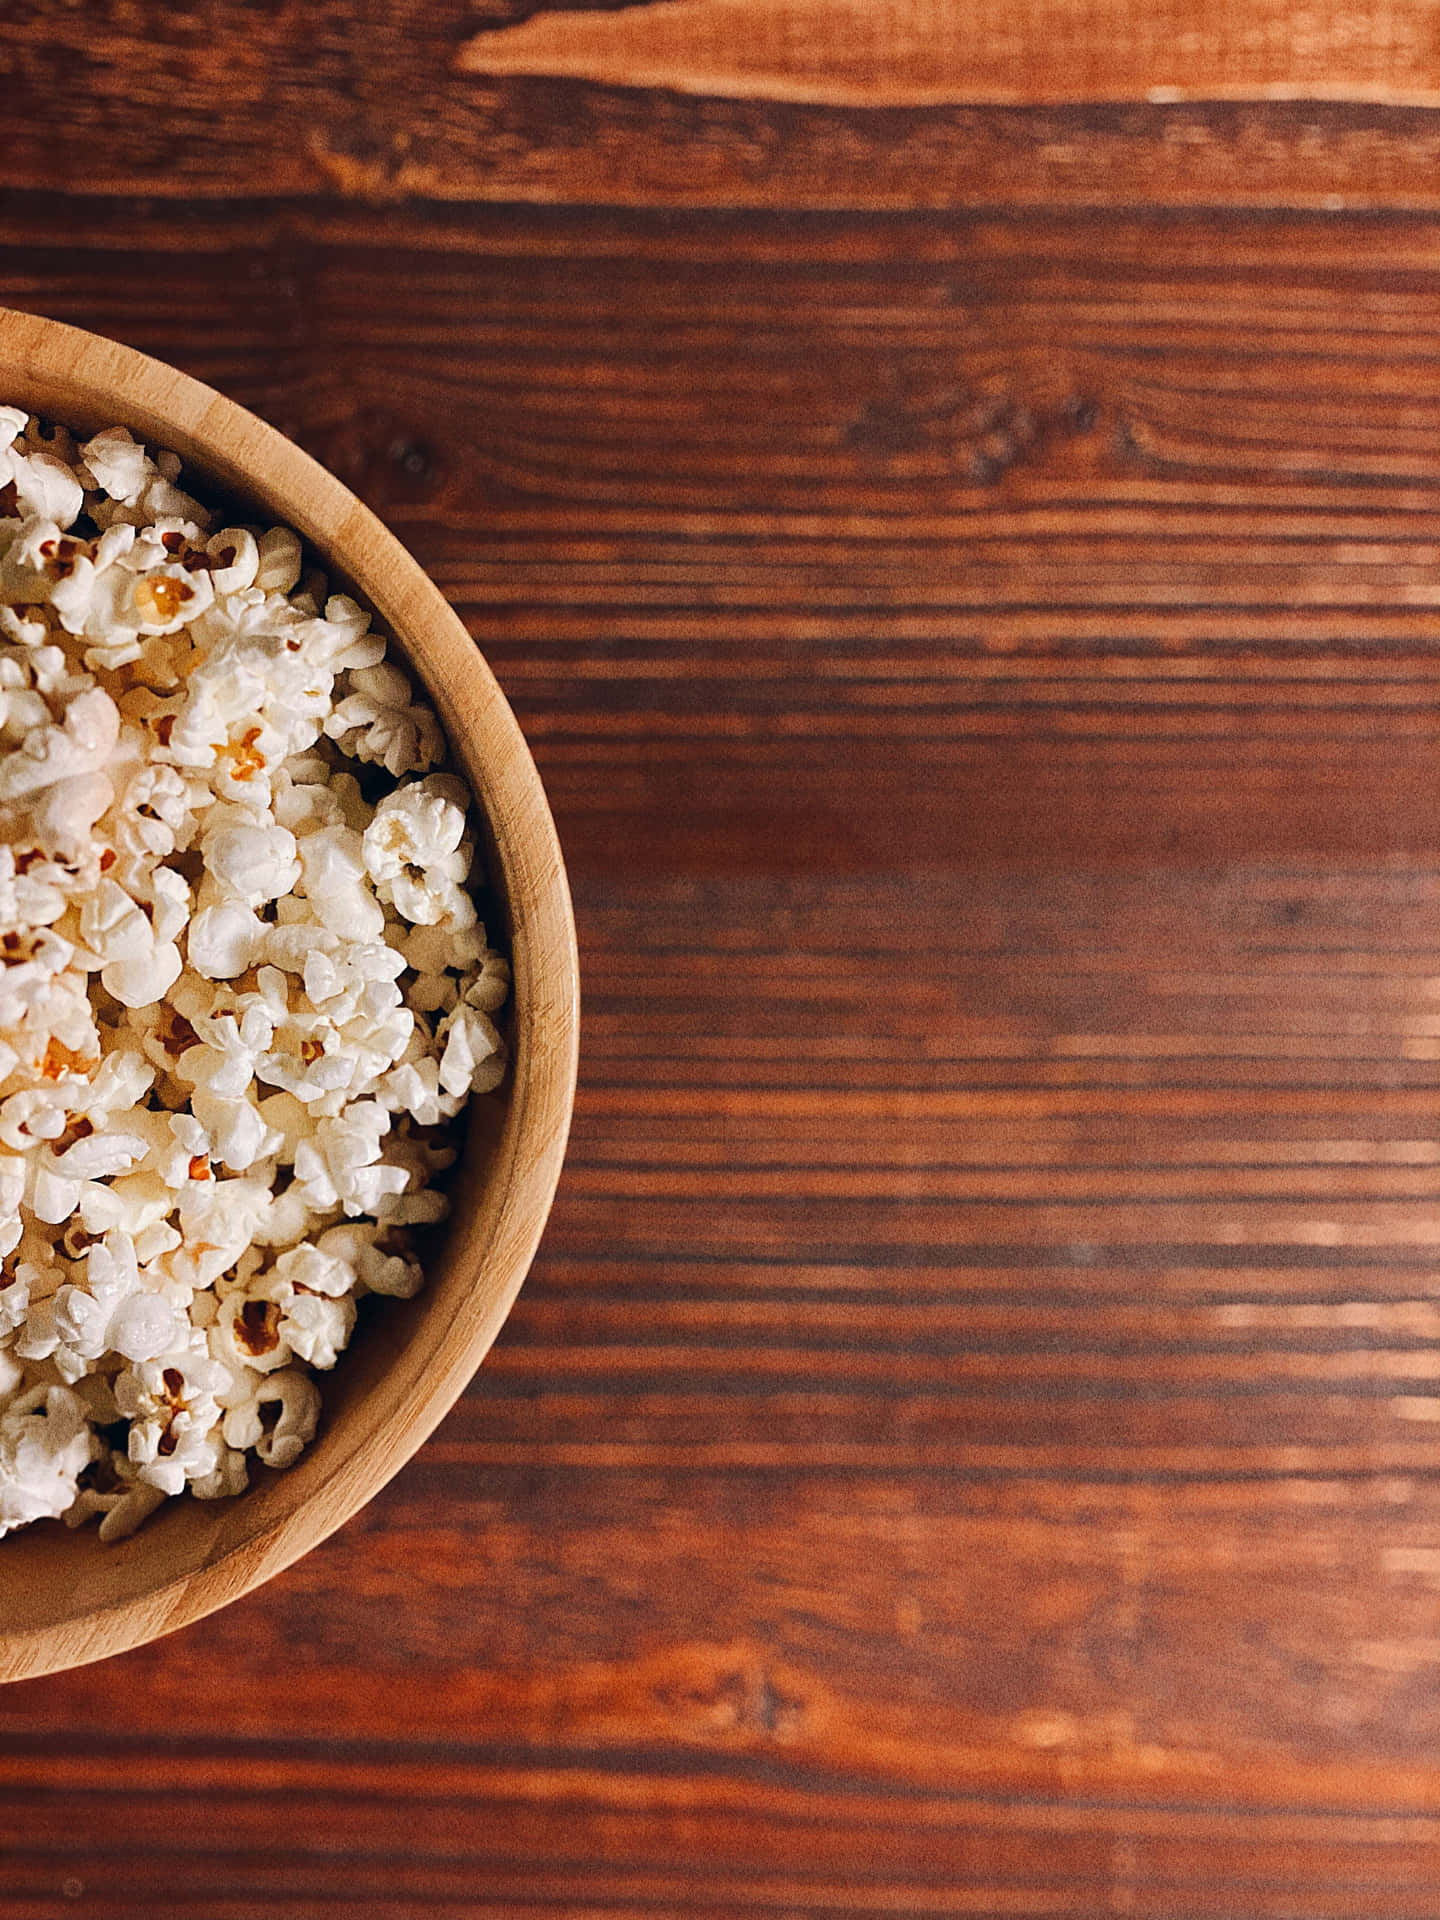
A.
pixel 225 940
pixel 112 925
pixel 413 848
pixel 49 753
pixel 380 722
pixel 99 1156
pixel 253 863
pixel 472 1061
pixel 238 987
pixel 298 1400
pixel 277 560
pixel 14 1299
pixel 311 1269
pixel 235 559
pixel 341 1164
pixel 155 813
pixel 247 1333
pixel 315 1328
pixel 45 1445
pixel 141 978
pixel 239 1134
pixel 114 1312
pixel 118 465
pixel 30 1116
pixel 379 1267
pixel 122 1509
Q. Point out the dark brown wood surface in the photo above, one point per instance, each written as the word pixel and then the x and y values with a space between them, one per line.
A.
pixel 970 1443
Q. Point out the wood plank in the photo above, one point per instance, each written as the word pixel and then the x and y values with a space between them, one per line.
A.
pixel 968 1443
pixel 375 105
pixel 879 53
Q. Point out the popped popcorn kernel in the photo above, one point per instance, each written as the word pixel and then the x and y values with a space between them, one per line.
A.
pixel 245 991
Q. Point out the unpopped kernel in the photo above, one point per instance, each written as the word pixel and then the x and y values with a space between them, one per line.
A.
pixel 242 983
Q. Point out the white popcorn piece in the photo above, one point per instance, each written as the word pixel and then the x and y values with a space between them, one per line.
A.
pixel 14 1297
pixel 43 485
pixel 141 979
pixel 343 640
pixel 32 1115
pixel 249 862
pixel 52 1197
pixel 169 905
pixel 152 1243
pixel 297 1400
pixel 118 465
pixel 314 1270
pixel 289 1219
pixel 414 847
pixel 316 1328
pixel 172 1405
pixel 235 559
pixel 247 1333
pixel 224 940
pixel 278 560
pixel 228 1477
pixel 13 422
pixel 122 1510
pixel 45 1445
pixel 380 1264
pixel 381 722
pixel 112 925
pixel 115 1313
pixel 233 1048
pixel 99 1156
pixel 120 1082
pixel 63 814
pixel 187 1157
pixel 414 1088
pixel 473 1060
pixel 156 812
pixel 81 744
pixel 219 1219
pixel 239 1135
pixel 341 1166
pixel 348 911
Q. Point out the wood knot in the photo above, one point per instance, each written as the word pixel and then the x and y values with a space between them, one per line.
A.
pixel 736 1699
pixel 921 413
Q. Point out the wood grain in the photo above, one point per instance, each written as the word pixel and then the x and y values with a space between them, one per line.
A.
pixel 888 53
pixel 967 1443
pixel 246 100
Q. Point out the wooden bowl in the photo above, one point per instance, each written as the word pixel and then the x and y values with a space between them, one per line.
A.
pixel 64 1597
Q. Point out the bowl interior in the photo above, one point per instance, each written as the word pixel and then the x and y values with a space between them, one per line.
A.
pixel 65 1597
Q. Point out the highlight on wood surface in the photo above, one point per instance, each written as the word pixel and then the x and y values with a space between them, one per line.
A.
pixel 933 53
pixel 68 1598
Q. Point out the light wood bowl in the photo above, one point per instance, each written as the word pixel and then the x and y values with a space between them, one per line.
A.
pixel 64 1597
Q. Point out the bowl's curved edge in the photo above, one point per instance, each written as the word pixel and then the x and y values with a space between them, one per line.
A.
pixel 232 445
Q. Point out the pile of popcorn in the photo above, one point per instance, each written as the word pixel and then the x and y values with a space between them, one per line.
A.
pixel 243 987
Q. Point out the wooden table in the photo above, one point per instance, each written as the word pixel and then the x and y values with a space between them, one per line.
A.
pixel 967 562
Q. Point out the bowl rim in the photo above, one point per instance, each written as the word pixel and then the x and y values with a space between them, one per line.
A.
pixel 87 380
